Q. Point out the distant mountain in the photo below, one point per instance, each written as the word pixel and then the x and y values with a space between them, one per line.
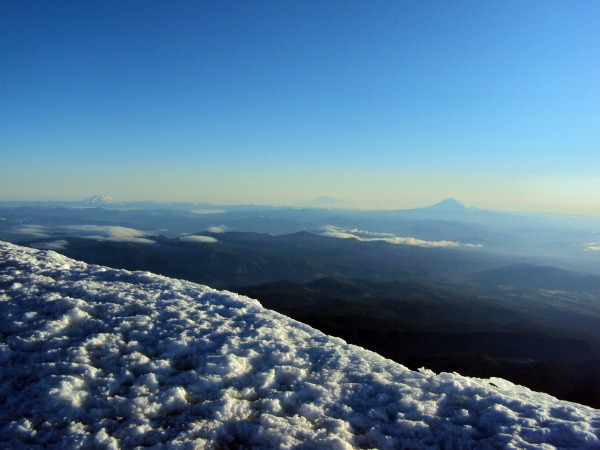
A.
pixel 449 204
pixel 562 241
pixel 453 210
pixel 99 200
pixel 325 201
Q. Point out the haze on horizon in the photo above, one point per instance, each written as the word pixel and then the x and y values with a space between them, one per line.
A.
pixel 385 104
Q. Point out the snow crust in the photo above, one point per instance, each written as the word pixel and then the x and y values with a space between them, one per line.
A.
pixel 92 357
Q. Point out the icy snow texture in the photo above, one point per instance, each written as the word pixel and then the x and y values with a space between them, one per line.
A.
pixel 92 357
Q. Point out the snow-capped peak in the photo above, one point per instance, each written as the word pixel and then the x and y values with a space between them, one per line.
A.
pixel 92 357
pixel 99 200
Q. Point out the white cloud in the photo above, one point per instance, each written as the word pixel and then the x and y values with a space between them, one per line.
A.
pixel 60 244
pixel 95 232
pixel 217 229
pixel 33 230
pixel 365 235
pixel 372 233
pixel 338 233
pixel 592 246
pixel 109 233
pixel 198 239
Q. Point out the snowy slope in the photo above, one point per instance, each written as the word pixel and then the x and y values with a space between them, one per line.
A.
pixel 100 358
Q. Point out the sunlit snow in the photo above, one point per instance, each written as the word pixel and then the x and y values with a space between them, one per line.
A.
pixel 103 358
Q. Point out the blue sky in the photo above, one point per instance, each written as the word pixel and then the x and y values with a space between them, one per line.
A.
pixel 387 104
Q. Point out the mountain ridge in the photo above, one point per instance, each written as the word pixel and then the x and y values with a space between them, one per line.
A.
pixel 449 204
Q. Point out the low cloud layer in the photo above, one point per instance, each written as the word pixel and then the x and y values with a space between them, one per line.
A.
pixel 33 231
pixel 593 246
pixel 95 232
pixel 60 244
pixel 109 233
pixel 217 229
pixel 198 239
pixel 365 235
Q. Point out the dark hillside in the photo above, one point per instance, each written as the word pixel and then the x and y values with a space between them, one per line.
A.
pixel 452 328
pixel 246 259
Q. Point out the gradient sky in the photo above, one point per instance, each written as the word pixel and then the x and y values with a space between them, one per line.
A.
pixel 378 103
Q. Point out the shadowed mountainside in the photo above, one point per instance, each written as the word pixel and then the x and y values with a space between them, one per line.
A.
pixel 246 259
pixel 534 342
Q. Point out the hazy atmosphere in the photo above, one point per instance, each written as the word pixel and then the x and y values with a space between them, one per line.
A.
pixel 380 104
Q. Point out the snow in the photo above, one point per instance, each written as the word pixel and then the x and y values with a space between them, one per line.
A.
pixel 99 200
pixel 92 357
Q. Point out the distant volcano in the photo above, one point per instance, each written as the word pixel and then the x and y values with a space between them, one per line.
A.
pixel 449 204
pixel 99 200
pixel 326 201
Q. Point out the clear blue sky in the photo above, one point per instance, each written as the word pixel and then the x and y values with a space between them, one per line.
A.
pixel 394 104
